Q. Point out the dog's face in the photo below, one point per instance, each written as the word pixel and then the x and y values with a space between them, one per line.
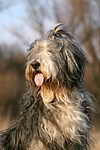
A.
pixel 56 58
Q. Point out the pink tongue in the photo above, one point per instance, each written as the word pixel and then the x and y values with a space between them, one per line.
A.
pixel 39 79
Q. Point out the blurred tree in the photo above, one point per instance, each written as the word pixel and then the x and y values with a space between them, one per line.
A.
pixel 11 79
pixel 37 14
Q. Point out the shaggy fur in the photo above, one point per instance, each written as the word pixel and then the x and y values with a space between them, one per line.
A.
pixel 55 115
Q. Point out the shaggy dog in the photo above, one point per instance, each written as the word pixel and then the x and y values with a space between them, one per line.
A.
pixel 55 110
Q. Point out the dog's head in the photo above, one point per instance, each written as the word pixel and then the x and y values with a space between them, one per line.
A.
pixel 56 58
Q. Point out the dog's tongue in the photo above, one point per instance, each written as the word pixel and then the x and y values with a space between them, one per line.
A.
pixel 39 79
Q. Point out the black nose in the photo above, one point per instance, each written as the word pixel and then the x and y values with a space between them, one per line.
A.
pixel 35 64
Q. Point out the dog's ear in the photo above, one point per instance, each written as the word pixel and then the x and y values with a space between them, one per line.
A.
pixel 75 60
pixel 72 54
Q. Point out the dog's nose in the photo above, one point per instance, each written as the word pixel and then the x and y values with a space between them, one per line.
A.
pixel 35 64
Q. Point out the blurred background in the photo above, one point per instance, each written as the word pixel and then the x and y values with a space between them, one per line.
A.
pixel 21 22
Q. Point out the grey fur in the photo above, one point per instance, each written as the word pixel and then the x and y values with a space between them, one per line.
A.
pixel 55 116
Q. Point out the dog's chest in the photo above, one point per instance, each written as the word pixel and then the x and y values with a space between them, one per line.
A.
pixel 36 145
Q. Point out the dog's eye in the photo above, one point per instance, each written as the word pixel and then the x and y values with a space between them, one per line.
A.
pixel 53 101
pixel 57 35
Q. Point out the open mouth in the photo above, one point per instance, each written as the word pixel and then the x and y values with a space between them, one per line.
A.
pixel 39 79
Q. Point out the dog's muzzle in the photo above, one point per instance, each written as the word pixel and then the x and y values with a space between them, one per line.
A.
pixel 35 64
pixel 39 77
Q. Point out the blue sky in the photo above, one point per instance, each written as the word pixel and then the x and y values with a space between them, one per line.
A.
pixel 11 18
pixel 12 14
pixel 14 17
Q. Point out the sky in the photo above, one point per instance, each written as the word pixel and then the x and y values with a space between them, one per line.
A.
pixel 13 18
pixel 10 17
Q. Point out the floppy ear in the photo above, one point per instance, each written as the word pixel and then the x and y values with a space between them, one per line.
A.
pixel 72 54
pixel 75 59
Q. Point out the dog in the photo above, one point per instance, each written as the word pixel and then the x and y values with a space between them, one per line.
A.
pixel 55 111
